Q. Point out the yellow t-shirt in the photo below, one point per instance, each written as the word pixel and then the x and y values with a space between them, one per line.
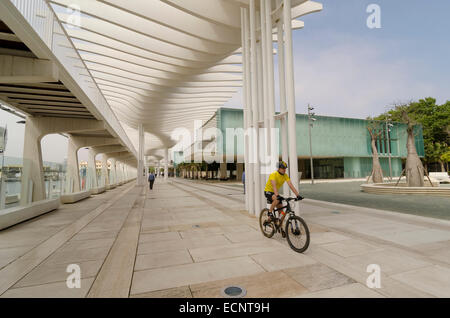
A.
pixel 279 180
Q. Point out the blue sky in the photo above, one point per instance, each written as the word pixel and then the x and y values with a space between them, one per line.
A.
pixel 344 68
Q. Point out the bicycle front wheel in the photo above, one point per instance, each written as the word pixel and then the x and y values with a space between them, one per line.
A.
pixel 267 227
pixel 297 234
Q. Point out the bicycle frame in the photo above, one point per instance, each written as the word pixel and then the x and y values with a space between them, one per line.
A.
pixel 287 211
pixel 287 207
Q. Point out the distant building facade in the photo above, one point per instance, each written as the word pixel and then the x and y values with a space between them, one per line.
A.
pixel 341 146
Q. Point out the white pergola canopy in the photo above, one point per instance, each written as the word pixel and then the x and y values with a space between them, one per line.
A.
pixel 163 64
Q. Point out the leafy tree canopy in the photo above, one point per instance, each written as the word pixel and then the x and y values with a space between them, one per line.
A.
pixel 435 120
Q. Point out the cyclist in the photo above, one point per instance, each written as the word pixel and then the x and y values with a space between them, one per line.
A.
pixel 276 180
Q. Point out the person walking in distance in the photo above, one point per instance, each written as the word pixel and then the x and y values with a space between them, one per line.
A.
pixel 151 180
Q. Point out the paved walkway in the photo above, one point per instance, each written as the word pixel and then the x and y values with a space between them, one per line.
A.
pixel 191 239
pixel 348 191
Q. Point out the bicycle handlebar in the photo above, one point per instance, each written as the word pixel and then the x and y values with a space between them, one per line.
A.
pixel 289 199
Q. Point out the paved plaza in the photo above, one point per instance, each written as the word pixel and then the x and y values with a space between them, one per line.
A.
pixel 191 239
pixel 348 191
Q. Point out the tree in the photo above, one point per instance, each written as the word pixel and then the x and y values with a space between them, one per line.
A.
pixel 446 157
pixel 375 129
pixel 414 169
pixel 436 153
pixel 435 120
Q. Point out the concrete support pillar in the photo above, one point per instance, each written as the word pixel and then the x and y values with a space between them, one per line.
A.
pixel 262 101
pixel 118 176
pixel 270 85
pixel 255 119
pixel 119 170
pixel 290 96
pixel 91 173
pixel 73 171
pixel 105 174
pixel 140 168
pixel 283 109
pixel 113 179
pixel 166 164
pixel 262 97
pixel 33 185
pixel 245 36
pixel 100 144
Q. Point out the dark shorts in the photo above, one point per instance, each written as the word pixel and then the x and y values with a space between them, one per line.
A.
pixel 268 196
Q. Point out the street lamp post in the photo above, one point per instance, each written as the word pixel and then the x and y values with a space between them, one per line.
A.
pixel 388 129
pixel 311 120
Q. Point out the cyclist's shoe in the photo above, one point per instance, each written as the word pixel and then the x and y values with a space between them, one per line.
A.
pixel 270 215
pixel 283 233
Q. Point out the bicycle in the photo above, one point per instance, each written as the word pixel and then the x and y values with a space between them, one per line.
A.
pixel 296 229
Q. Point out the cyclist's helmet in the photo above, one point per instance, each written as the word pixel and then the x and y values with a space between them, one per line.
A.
pixel 282 165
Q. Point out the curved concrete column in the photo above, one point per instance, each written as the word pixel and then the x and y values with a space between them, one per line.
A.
pixel 74 144
pixel 105 173
pixel 91 174
pixel 106 152
pixel 33 185
pixel 166 164
pixel 118 174
pixel 113 179
pixel 141 171
pixel 72 172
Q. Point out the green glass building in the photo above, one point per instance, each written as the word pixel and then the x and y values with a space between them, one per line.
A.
pixel 341 146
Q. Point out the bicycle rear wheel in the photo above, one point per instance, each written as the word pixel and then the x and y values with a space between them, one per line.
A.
pixel 297 234
pixel 267 227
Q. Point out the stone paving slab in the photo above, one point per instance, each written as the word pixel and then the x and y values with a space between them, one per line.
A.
pixel 49 272
pixel 354 290
pixel 52 290
pixel 350 247
pixel 162 259
pixel 173 245
pixel 327 237
pixel 180 275
pixel 232 250
pixel 53 247
pixel 261 285
pixel 157 237
pixel 317 277
pixel 434 280
pixel 203 240
pixel 177 292
pixel 282 259
pixel 390 260
pixel 7 255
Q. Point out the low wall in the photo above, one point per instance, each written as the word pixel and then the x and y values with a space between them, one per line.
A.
pixel 390 188
pixel 98 190
pixel 18 214
pixel 75 197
